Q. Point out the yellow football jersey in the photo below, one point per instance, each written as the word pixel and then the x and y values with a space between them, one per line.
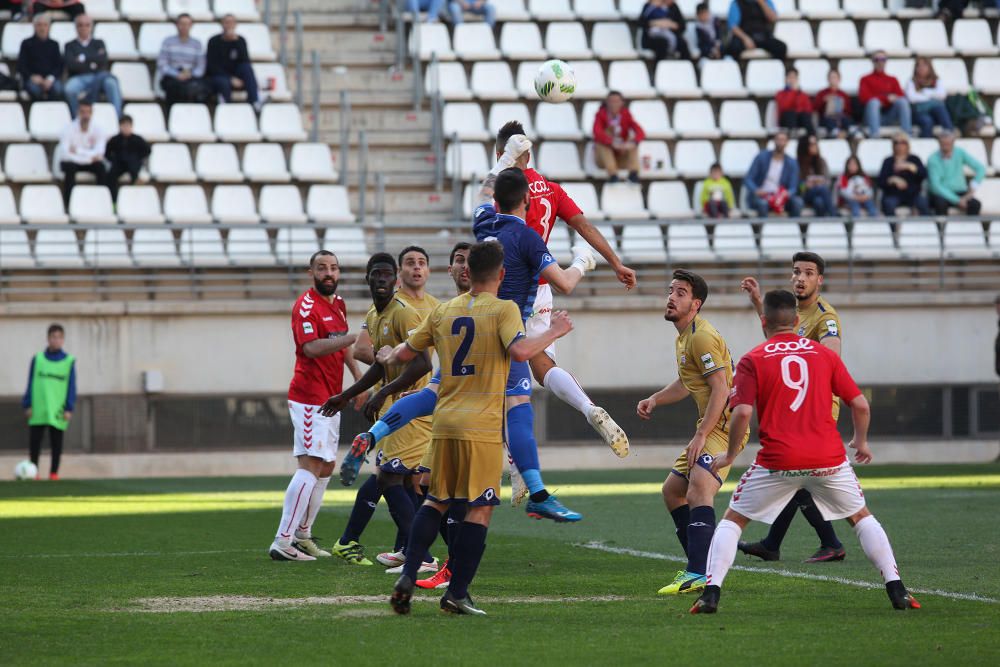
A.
pixel 424 308
pixel 819 321
pixel 472 334
pixel 391 327
pixel 702 351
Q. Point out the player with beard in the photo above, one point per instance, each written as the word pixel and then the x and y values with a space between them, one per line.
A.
pixel 322 342
pixel 818 321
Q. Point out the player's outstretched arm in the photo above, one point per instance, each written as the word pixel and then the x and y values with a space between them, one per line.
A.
pixel 516 146
pixel 861 414
pixel 738 423
pixel 595 238
pixel 416 369
pixel 324 346
pixel 565 280
pixel 752 288
pixel 526 347
pixel 672 393
pixel 364 351
pixel 335 404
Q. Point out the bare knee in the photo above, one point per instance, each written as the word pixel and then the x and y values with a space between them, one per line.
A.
pixel 702 488
pixel 312 464
pixel 861 514
pixel 480 514
pixel 541 364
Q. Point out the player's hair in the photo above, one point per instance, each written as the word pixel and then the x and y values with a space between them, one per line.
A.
pixel 319 253
pixel 485 261
pixel 381 258
pixel 702 7
pixel 461 245
pixel 805 256
pixel 509 129
pixel 699 288
pixel 54 327
pixel 413 248
pixel 510 188
pixel 780 308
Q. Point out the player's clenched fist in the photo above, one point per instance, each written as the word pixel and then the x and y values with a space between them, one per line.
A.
pixel 561 323
pixel 645 408
pixel 864 454
pixel 383 355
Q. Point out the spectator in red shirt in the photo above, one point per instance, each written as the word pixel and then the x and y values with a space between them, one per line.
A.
pixel 833 106
pixel 883 98
pixel 617 137
pixel 794 107
pixel 72 7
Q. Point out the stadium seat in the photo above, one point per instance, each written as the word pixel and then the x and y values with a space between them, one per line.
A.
pixel 722 79
pixel 612 41
pixel 134 82
pixel 47 120
pixel 525 79
pixel 779 240
pixel 151 36
pixel 827 239
pixel 643 244
pixel 734 241
pixel 923 147
pixel 838 39
pixel 901 68
pixel 312 163
pixel 559 160
pixel 186 204
pixel 15 253
pixel 976 148
pixel 493 81
pixel 589 80
pixel 872 240
pixel 142 11
pixel 798 36
pixel 585 197
pixel 654 160
pixel 812 74
pixel 741 119
pixel 147 120
pixel 467 159
pixel 102 10
pixel 449 80
pixel 348 241
pixel 198 9
pixel 872 153
pixel 953 74
pixel 559 244
pixel 281 204
pixel 623 201
pixel 258 38
pixel 106 248
pixel 866 9
pixel 630 9
pixel 787 11
pixel 587 115
pixel 273 84
pixel 118 39
pixel 139 204
pixel 559 121
pixel 821 9
pixel 154 247
pixel 521 41
pixel 835 152
pixel 474 41
pixel 202 246
pixel 8 209
pixel 12 123
pixel 668 199
pixel 676 78
pixel 928 38
pixel 764 78
pixel 171 163
pixel 281 122
pixel 989 195
pixel 694 119
pixel 885 35
pixel 294 243
pixel 590 162
pixel 236 123
pixel 329 204
pixel 551 10
pixel 249 247
pixel 971 37
pixel 42 204
pixel 984 76
pixel 692 158
pixel 234 205
pixel 218 163
pixel 631 79
pixel 428 39
pixel 735 156
pixel 106 118
pixel 919 239
pixel 995 238
pixel 851 71
pixel 688 241
pixel 62 32
pixel 567 41
pixel 57 248
pixel 91 204
pixel 190 123
pixel 27 163
pixel 243 10
pixel 465 121
pixel 598 10
pixel 13 34
pixel 964 240
pixel 504 112
pixel 512 10
pixel 265 163
pixel 652 117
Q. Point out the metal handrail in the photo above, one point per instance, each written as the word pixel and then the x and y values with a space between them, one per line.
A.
pixel 282 32
pixel 317 82
pixel 362 173
pixel 298 58
pixel 345 134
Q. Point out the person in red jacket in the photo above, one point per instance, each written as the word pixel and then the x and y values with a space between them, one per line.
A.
pixel 616 138
pixel 794 107
pixel 883 99
pixel 834 106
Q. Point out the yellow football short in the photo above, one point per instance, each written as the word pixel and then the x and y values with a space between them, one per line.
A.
pixel 716 444
pixel 465 470
pixel 403 451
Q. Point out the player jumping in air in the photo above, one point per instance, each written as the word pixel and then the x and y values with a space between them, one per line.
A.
pixel 792 380
pixel 705 372
pixel 319 328
pixel 818 321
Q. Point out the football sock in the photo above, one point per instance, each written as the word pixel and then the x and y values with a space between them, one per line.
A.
pixel 402 537
pixel 379 430
pixel 468 550
pixel 403 412
pixel 364 507
pixel 565 386
pixel 296 501
pixel 722 553
pixel 682 517
pixel 424 488
pixel 776 535
pixel 824 529
pixel 455 518
pixel 523 448
pixel 401 508
pixel 315 503
pixel 423 530
pixel 876 546
pixel 700 537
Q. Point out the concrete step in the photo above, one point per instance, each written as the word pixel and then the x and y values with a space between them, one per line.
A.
pixel 375 119
pixel 325 7
pixel 339 40
pixel 400 203
pixel 358 77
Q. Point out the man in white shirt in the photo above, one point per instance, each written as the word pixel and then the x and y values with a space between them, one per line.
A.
pixel 81 148
pixel 772 181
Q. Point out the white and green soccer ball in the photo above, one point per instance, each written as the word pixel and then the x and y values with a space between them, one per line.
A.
pixel 555 81
pixel 25 470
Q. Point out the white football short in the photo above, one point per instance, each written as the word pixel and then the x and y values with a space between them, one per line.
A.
pixel 541 317
pixel 315 435
pixel 761 493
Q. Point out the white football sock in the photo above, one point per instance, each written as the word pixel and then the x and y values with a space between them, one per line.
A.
pixel 565 386
pixel 304 530
pixel 722 551
pixel 876 546
pixel 296 502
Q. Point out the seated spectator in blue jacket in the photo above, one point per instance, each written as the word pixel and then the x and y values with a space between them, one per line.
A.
pixel 751 24
pixel 39 63
pixel 663 25
pixel 87 67
pixel 773 181
pixel 478 7
pixel 227 63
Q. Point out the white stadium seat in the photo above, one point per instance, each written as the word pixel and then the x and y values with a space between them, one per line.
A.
pixel 612 41
pixel 812 74
pixel 827 239
pixel 202 246
pixel 281 122
pixel 838 39
pixel 234 205
pixel 587 115
pixel 652 118
pixel 798 36
pixel 741 118
pixel 734 241
pixel 151 36
pixel 953 74
pixel 644 244
pixel 42 204
pixel 47 120
pixel 139 204
pixel 430 38
pixel 272 81
pixel 866 9
pixel 871 153
pixel 328 204
pixel 559 160
pixel 779 240
pixel 467 159
pixel 976 148
pixel 558 121
pixel 688 240
pixel 669 199
pixel 294 243
pixel 676 78
pixel 589 80
pixel 13 126
pixel 526 78
pixel 872 240
pixel 102 10
pixel 186 204
pixel 57 248
pixel 919 239
pixel 923 147
pixel 154 247
pixel 835 152
pixel 13 34
pixel 520 41
pixel 512 10
pixel 218 163
pixel 171 163
pixel 786 10
pixel 971 37
pixel 147 121
pixel 312 163
pixel 474 41
pixel 631 79
pixel 623 201
pixel 62 32
pixel 492 81
pixel 257 35
pixel 984 75
pixel 243 10
pixel 692 158
pixel 567 41
pixel 14 249
pixel 559 244
pixel 598 10
pixel 722 78
pixel 764 78
pixel 995 238
pixel 964 240
pixel 249 247
pixel 821 9
pixel 265 163
pixel 736 155
pixel 348 241
pixel 504 112
pixel 281 204
pixel 851 70
pixel 134 82
pixel 190 123
pixel 198 9
pixel 8 209
pixel 585 197
pixel 927 37
pixel 694 119
pixel 118 39
pixel 106 247
pixel 236 123
pixel 91 204
pixel 449 80
pixel 654 160
pixel 142 10
pixel 989 194
pixel 885 35
pixel 27 163
pixel 551 10
pixel 901 68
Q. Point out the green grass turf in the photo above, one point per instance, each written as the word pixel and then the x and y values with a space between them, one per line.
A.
pixel 76 556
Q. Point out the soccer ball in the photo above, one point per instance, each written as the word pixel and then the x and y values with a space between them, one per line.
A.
pixel 25 470
pixel 555 81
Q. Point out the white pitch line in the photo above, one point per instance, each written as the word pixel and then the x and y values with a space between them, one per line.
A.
pixel 130 554
pixel 600 546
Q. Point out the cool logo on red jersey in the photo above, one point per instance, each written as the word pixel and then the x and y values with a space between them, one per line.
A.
pixel 790 346
pixel 538 187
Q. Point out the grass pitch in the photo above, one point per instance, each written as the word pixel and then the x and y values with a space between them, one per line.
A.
pixel 174 572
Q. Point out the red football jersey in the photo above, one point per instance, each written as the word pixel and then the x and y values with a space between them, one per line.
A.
pixel 317 379
pixel 792 380
pixel 548 202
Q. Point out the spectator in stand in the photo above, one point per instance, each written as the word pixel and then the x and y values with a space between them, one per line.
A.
pixel 432 7
pixel 883 98
pixel 81 148
pixel 708 32
pixel 926 94
pixel 227 64
pixel 181 65
pixel 773 180
pixel 855 189
pixel 751 23
pixel 50 398
pixel 125 152
pixel 71 7
pixel 815 178
pixel 616 138
pixel 902 179
pixel 39 63
pixel 717 198
pixel 795 109
pixel 87 67
pixel 662 25
pixel 15 8
pixel 477 7
pixel 834 106
pixel 946 174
